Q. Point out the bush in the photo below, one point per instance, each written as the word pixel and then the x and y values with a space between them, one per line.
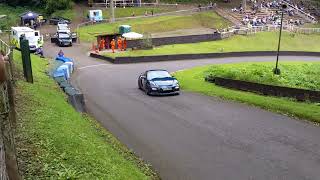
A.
pixel 54 5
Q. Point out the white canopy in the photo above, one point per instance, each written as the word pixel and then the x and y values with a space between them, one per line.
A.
pixel 132 35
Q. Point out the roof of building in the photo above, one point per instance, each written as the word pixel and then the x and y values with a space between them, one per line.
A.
pixel 22 29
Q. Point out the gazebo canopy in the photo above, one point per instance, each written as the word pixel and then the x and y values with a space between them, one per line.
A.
pixel 29 16
pixel 132 35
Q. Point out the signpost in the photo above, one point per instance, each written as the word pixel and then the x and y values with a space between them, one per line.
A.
pixel 276 70
pixel 26 60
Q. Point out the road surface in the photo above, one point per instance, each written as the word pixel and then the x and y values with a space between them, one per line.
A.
pixel 192 136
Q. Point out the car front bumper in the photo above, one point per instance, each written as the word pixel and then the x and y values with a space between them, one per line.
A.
pixel 159 91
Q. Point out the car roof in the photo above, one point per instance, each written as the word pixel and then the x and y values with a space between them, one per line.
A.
pixel 156 70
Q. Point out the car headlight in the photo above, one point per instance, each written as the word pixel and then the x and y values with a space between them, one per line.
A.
pixel 175 83
pixel 153 84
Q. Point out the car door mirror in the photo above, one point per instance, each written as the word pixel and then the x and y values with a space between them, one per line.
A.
pixel 143 77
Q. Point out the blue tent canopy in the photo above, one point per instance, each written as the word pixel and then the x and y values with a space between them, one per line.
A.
pixel 28 16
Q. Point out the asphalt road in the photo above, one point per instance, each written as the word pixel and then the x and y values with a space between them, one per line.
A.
pixel 191 136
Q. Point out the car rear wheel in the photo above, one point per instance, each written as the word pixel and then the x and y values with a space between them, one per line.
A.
pixel 139 84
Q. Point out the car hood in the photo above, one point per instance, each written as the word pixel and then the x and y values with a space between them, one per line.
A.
pixel 164 81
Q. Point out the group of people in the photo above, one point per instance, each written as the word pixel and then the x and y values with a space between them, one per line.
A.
pixel 271 18
pixel 120 44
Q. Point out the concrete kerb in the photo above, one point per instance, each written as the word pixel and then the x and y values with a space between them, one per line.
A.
pixel 176 57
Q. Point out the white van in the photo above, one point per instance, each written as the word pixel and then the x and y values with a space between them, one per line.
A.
pixel 34 37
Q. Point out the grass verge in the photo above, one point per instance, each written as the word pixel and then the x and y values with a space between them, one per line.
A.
pixel 264 41
pixel 295 75
pixel 158 24
pixel 193 80
pixel 69 14
pixel 56 142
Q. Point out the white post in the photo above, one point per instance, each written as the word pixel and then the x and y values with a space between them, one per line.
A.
pixel 112 10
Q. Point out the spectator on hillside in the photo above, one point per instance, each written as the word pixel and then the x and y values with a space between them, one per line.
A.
pixel 210 5
pixel 61 54
pixel 39 51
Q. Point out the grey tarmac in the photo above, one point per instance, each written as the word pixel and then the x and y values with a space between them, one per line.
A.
pixel 192 136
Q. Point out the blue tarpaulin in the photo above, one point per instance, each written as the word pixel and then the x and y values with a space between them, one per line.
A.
pixel 63 59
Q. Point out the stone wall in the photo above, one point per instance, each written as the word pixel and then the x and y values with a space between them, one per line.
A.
pixel 269 90
pixel 177 40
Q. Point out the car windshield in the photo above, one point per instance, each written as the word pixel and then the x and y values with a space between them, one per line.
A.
pixel 158 75
pixel 64 35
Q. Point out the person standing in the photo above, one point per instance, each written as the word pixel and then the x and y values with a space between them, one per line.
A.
pixel 119 43
pixel 102 44
pixel 124 44
pixel 113 44
pixel 61 54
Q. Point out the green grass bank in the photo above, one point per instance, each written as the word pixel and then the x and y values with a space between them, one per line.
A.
pixel 264 41
pixel 56 142
pixel 157 24
pixel 295 75
pixel 193 80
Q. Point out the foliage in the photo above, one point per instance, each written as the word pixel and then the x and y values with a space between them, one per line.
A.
pixel 193 80
pixel 265 41
pixel 69 14
pixel 22 3
pixel 12 13
pixel 50 6
pixel 54 5
pixel 56 142
pixel 302 75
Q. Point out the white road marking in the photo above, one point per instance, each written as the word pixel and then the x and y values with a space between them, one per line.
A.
pixel 86 67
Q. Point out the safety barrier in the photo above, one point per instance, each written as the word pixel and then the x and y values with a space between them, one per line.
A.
pixel 62 75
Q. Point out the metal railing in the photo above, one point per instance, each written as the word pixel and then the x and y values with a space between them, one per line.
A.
pixel 313 19
pixel 227 32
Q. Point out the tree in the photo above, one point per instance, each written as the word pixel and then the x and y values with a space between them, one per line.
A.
pixel 54 5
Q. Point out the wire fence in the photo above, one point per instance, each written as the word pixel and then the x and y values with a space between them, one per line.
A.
pixel 8 162
pixel 233 30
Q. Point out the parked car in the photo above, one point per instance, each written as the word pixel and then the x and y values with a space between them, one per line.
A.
pixel 56 20
pixel 64 39
pixel 158 82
